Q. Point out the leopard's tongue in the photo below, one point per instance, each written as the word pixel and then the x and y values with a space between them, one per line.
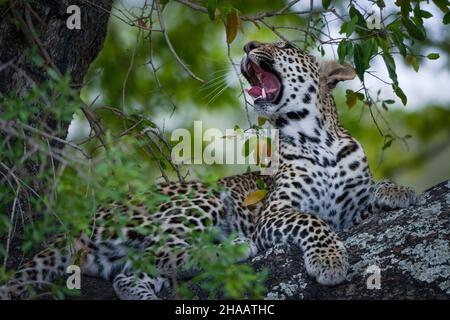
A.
pixel 268 84
pixel 255 92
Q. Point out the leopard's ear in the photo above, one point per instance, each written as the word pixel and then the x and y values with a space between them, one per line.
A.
pixel 331 72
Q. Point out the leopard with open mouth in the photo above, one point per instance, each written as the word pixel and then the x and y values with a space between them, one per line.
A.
pixel 323 185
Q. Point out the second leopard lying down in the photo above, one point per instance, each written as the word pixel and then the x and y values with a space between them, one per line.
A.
pixel 323 184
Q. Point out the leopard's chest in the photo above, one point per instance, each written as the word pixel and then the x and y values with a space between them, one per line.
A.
pixel 338 200
pixel 334 183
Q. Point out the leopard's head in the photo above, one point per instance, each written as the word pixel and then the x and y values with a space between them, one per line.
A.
pixel 286 79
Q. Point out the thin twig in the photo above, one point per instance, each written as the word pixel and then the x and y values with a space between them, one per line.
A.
pixel 10 230
pixel 259 16
pixel 309 23
pixel 169 43
pixel 35 37
pixel 130 67
pixel 7 124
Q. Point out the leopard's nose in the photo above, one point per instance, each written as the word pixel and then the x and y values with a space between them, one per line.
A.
pixel 249 46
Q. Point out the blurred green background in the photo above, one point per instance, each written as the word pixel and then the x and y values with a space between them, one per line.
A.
pixel 122 76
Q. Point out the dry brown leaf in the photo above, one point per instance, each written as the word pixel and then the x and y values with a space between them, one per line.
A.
pixel 254 197
pixel 232 25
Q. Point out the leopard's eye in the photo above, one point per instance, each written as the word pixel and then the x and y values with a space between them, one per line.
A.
pixel 284 45
pixel 288 45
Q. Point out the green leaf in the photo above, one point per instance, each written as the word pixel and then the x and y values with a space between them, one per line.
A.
pixel 442 5
pixel 342 50
pixel 417 14
pixel 390 65
pixel 397 38
pixel 446 19
pixel 343 27
pixel 5 223
pixel 53 75
pixel 369 48
pixel 425 14
pixel 163 165
pixel 212 4
pixel 387 144
pixel 37 60
pixel 261 184
pixel 353 12
pixel 399 92
pixel 415 64
pixel 405 7
pixel 261 121
pixel 149 123
pixel 351 25
pixel 389 101
pixel 358 60
pixel 326 4
pixel 353 97
pixel 433 56
pixel 413 30
pixel 249 145
pixel 362 54
pixel 383 44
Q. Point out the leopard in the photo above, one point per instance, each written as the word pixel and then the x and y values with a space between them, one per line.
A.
pixel 323 184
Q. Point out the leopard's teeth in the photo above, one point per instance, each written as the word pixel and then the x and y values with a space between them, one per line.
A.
pixel 263 93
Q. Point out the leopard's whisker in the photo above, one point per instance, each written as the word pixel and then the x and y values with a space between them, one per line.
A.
pixel 218 94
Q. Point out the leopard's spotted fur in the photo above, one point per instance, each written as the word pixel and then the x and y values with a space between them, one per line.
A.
pixel 323 184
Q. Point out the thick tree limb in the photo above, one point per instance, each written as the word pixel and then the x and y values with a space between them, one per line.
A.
pixel 68 50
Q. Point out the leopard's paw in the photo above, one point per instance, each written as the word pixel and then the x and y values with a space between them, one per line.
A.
pixel 138 287
pixel 4 293
pixel 250 248
pixel 328 264
pixel 390 196
pixel 409 197
pixel 13 290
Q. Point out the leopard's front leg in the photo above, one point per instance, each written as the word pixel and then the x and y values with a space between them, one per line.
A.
pixel 140 286
pixel 390 196
pixel 325 255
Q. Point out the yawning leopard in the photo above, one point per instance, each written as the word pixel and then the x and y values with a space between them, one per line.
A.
pixel 323 185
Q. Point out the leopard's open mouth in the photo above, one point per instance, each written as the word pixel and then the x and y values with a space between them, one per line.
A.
pixel 264 80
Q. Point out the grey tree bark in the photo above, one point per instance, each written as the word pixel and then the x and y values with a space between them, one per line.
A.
pixel 40 26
